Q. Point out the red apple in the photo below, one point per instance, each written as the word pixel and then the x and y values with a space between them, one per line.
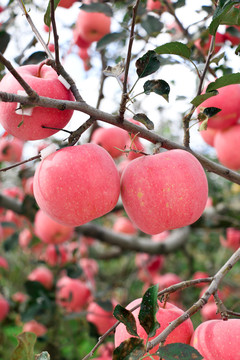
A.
pixel 4 308
pixel 155 5
pixel 209 312
pixel 166 314
pixel 167 280
pixel 83 54
pixel 72 294
pixel 56 255
pixel 204 43
pixel 164 191
pixel 208 135
pixel 51 47
pixel 102 319
pixel 227 100
pixel 161 237
pixel 233 239
pixel 124 225
pixel 44 80
pixel 50 231
pixel 200 275
pixel 10 149
pixel 218 339
pixel 77 184
pixel 226 144
pixel 234 39
pixel 79 41
pixel 35 327
pixel 43 275
pixel 25 238
pixel 92 26
pixel 149 266
pixel 28 186
pixel 19 297
pixel 111 139
pixel 66 3
pixel 4 263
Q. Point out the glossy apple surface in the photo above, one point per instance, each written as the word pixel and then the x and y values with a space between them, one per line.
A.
pixel 77 184
pixel 50 231
pixel 164 191
pixel 164 316
pixel 45 83
pixel 226 143
pixel 208 135
pixel 92 26
pixel 228 101
pixel 218 339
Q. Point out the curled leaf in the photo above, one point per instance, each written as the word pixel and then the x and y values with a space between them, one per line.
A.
pixel 142 118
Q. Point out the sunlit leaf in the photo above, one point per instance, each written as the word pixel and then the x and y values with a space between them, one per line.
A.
pixel 97 7
pixel 147 64
pixel 222 9
pixel 142 118
pixel 174 48
pixel 224 81
pixel 47 15
pixel 201 98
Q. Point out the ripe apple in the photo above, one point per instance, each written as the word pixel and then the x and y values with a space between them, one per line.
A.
pixel 226 145
pixel 79 41
pixel 200 275
pixel 124 225
pixel 209 311
pixel 4 308
pixel 43 275
pixel 164 191
pixel 166 280
pixel 28 186
pixel 111 139
pixel 155 5
pixel 161 237
pixel 167 313
pixel 102 319
pixel 149 266
pixel 233 239
pixel 4 263
pixel 35 327
pixel 105 351
pixel 25 237
pixel 44 80
pixel 66 3
pixel 208 135
pixel 92 26
pixel 19 297
pixel 204 43
pixel 72 294
pixel 85 181
pixel 56 255
pixel 10 149
pixel 217 339
pixel 227 100
pixel 50 231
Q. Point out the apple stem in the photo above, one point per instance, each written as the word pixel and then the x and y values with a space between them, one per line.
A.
pixel 39 68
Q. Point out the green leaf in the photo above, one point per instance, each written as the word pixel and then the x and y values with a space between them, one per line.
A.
pixel 224 81
pixel 147 64
pixel 159 87
pixel 148 310
pixel 73 270
pixel 174 48
pixel 211 111
pixel 98 7
pixel 25 347
pixel 110 38
pixel 4 40
pixel 35 58
pixel 152 25
pixel 204 125
pixel 35 289
pixel 47 15
pixel 142 118
pixel 217 58
pixel 232 17
pixel 222 9
pixel 126 317
pixel 201 98
pixel 130 349
pixel 178 351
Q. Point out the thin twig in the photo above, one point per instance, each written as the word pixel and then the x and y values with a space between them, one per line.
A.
pixel 55 35
pixel 20 163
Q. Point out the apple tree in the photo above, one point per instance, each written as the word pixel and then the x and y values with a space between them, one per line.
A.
pixel 119 153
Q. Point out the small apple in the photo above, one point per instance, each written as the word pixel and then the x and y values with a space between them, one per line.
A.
pixel 66 3
pixel 200 275
pixel 217 339
pixel 50 231
pixel 19 297
pixel 72 294
pixel 226 145
pixel 10 149
pixel 124 225
pixel 227 100
pixel 149 266
pixel 166 313
pixel 166 280
pixel 208 135
pixel 92 26
pixel 4 263
pixel 111 139
pixel 56 255
pixel 28 124
pixel 102 319
pixel 209 312
pixel 164 191
pixel 77 184
pixel 43 275
pixel 157 5
pixel 35 327
pixel 233 239
pixel 4 308
pixel 79 41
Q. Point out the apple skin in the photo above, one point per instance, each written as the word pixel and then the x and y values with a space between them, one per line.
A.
pixel 218 339
pixel 43 275
pixel 66 3
pixel 164 191
pixel 10 149
pixel 110 139
pixel 155 5
pixel 35 327
pixel 46 85
pixel 233 239
pixel 228 101
pixel 56 255
pixel 4 308
pixel 4 263
pixel 72 294
pixel 92 26
pixel 209 311
pixel 76 197
pixel 164 316
pixel 50 231
pixel 226 145
pixel 200 275
pixel 124 225
pixel 166 280
pixel 208 135
pixel 102 319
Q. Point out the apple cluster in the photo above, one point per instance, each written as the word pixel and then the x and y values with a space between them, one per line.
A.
pixel 223 129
